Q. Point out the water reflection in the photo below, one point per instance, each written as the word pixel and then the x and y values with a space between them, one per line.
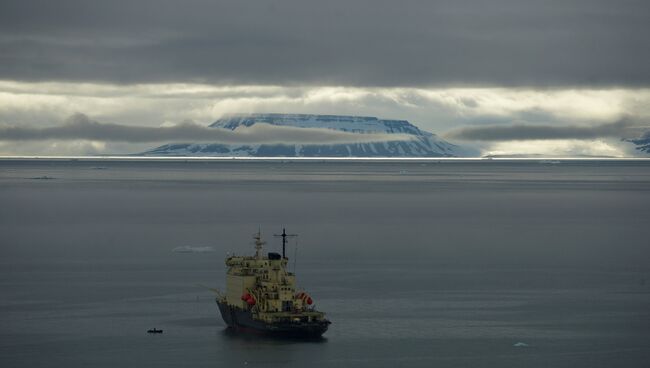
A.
pixel 262 338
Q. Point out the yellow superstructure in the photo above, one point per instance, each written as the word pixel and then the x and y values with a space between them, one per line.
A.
pixel 262 286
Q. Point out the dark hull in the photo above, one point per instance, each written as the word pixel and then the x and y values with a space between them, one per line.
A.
pixel 240 319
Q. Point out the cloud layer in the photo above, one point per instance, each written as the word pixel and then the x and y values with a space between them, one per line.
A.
pixel 44 104
pixel 80 127
pixel 520 132
pixel 339 42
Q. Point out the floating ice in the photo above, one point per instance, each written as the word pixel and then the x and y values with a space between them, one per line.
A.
pixel 189 249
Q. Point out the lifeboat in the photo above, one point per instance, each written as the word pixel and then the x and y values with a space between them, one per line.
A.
pixel 305 298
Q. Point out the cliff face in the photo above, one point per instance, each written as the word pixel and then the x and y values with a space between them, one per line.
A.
pixel 424 144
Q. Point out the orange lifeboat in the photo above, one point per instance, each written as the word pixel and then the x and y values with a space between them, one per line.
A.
pixel 249 299
pixel 305 298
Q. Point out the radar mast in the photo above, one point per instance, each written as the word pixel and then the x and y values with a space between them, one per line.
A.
pixel 284 236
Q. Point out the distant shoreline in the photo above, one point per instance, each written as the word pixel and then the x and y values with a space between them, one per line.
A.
pixel 549 160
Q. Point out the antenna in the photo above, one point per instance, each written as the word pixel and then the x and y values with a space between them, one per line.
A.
pixel 295 256
pixel 284 236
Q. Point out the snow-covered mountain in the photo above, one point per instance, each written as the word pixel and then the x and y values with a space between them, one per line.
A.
pixel 424 144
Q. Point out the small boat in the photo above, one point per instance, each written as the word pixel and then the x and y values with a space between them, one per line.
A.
pixel 154 330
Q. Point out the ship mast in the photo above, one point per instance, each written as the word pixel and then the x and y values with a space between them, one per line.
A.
pixel 258 244
pixel 284 236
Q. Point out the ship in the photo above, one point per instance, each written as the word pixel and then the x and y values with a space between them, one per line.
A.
pixel 261 296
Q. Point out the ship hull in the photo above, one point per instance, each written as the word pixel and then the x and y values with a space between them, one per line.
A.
pixel 242 320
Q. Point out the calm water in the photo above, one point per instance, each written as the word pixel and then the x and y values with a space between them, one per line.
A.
pixel 417 264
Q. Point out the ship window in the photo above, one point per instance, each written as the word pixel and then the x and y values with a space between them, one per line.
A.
pixel 286 305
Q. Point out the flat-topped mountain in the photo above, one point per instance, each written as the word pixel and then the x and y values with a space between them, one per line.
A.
pixel 424 144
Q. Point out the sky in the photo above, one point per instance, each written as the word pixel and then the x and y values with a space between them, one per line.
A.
pixel 508 76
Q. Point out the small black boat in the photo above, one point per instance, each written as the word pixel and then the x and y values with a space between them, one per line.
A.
pixel 154 331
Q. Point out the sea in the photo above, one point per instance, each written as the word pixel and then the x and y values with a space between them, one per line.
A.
pixel 417 263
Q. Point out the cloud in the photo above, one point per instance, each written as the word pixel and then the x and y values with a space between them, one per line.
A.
pixel 604 147
pixel 518 132
pixel 434 109
pixel 43 104
pixel 80 127
pixel 337 42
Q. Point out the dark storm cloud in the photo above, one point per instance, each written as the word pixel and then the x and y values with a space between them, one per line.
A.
pixel 543 132
pixel 79 126
pixel 364 43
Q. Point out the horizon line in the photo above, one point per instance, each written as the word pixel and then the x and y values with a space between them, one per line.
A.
pixel 275 158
